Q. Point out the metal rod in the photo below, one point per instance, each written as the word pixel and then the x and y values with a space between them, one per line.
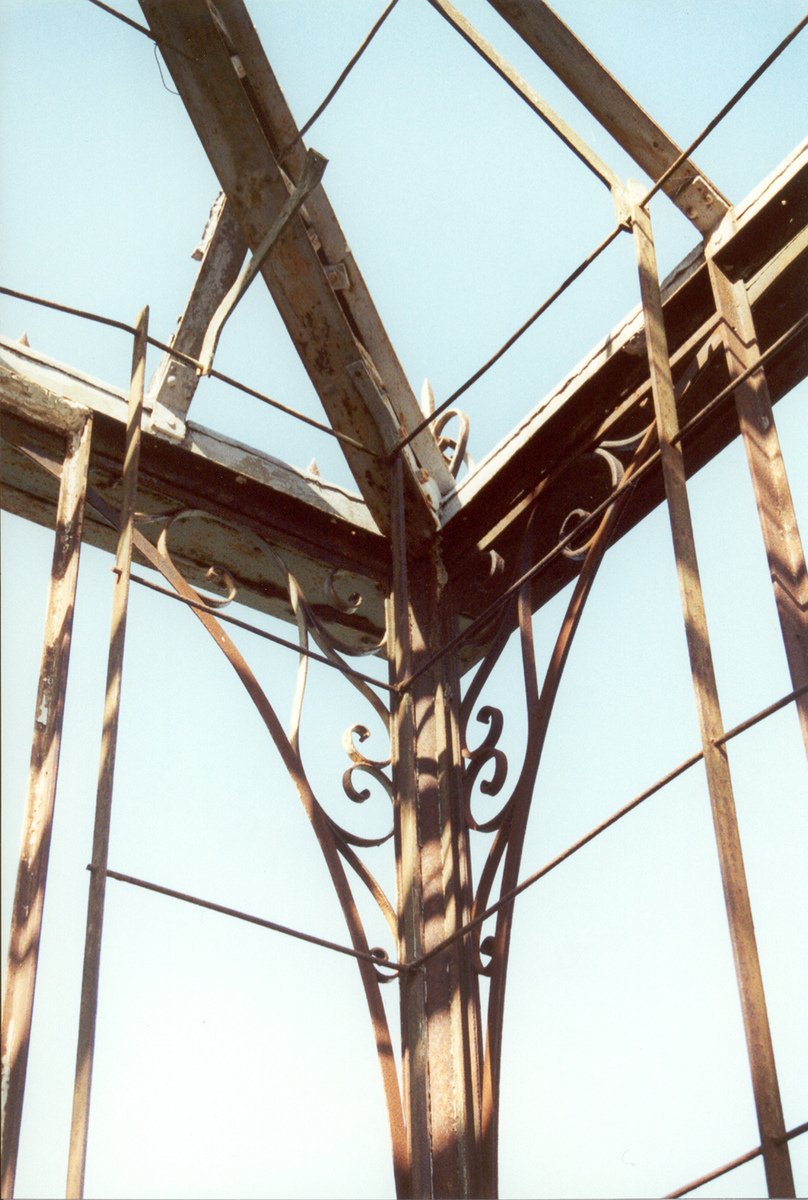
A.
pixel 376 959
pixel 113 12
pixel 727 1167
pixel 562 287
pixel 32 873
pixel 318 112
pixel 95 907
pixel 660 783
pixel 534 101
pixel 778 519
pixel 264 633
pixel 708 410
pixel 313 170
pixel 190 361
pixel 708 129
pixel 739 913
pixel 730 1166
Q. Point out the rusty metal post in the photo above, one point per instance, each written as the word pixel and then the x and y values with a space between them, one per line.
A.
pixel 778 521
pixel 440 1003
pixel 32 873
pixel 733 876
pixel 98 877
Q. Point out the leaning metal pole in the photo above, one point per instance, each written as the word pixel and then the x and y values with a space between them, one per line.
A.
pixel 778 520
pixel 765 1086
pixel 440 1007
pixel 32 873
pixel 103 807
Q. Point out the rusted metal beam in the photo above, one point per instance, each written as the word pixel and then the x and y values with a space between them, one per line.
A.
pixel 742 931
pixel 618 112
pixel 320 527
pixel 778 520
pixel 174 383
pixel 216 86
pixel 32 873
pixel 281 130
pixel 103 809
pixel 610 388
pixel 310 177
pixel 440 1015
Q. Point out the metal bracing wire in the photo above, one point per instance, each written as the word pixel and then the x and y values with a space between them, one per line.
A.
pixel 750 1155
pixel 318 112
pixel 113 12
pixel 190 361
pixel 509 897
pixel 505 347
pixel 264 633
pixel 529 881
pixel 719 116
pixel 379 958
pixel 624 225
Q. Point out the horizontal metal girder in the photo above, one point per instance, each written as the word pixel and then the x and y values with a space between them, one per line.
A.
pixel 547 461
pixel 238 498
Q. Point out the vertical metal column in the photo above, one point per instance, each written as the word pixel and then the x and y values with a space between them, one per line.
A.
pixel 103 805
pixel 440 1002
pixel 778 521
pixel 32 873
pixel 747 964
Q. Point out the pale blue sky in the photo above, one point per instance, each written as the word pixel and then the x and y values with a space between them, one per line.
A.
pixel 232 1062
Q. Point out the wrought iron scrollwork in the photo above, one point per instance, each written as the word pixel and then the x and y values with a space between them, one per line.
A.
pixel 311 627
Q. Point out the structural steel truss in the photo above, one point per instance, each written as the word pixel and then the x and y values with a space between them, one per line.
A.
pixel 398 573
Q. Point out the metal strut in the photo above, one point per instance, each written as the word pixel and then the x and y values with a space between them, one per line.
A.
pixel 733 876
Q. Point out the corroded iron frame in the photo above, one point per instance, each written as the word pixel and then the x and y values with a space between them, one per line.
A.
pixel 443 1111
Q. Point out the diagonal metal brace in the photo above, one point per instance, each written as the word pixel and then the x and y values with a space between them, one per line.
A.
pixel 311 175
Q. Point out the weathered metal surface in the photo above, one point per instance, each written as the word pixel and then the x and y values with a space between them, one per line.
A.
pixel 106 774
pixel 778 520
pixel 440 1013
pixel 319 526
pixel 29 896
pixel 221 104
pixel 282 133
pixel 310 176
pixel 742 932
pixel 174 383
pixel 608 394
pixel 610 103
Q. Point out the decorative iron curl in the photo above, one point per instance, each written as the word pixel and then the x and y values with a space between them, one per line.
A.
pixel 607 452
pixel 453 449
pixel 488 752
pixel 309 624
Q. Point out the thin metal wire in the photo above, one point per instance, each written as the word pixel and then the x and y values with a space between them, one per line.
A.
pixel 264 633
pixel 189 361
pixel 318 112
pixel 535 103
pixel 579 270
pixel 485 616
pixel 736 1162
pixel 741 92
pixel 113 12
pixel 377 961
pixel 528 882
